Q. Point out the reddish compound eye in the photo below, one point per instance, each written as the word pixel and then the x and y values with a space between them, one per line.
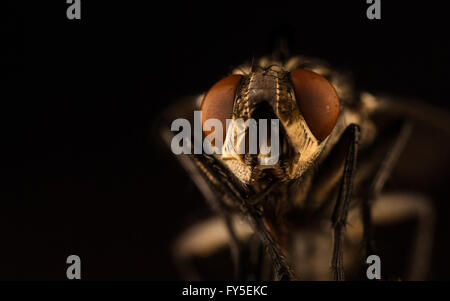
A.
pixel 218 102
pixel 317 100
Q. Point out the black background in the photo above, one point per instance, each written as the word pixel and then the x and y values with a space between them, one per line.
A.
pixel 82 172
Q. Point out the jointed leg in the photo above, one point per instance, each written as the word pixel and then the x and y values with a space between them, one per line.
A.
pixel 343 201
pixel 282 270
pixel 281 267
pixel 379 181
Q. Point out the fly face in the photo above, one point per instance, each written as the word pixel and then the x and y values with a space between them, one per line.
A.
pixel 300 109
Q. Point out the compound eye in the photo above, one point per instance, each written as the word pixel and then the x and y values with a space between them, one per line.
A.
pixel 219 100
pixel 317 100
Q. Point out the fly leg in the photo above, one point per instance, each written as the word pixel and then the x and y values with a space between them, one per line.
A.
pixel 379 208
pixel 379 181
pixel 203 176
pixel 340 211
pixel 207 179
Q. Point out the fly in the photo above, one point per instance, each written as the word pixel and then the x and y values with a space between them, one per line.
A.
pixel 334 161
